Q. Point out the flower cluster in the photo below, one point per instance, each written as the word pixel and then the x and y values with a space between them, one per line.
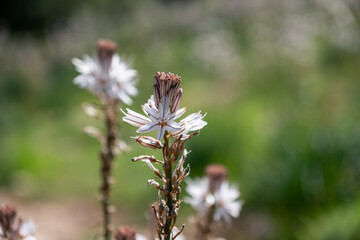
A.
pixel 106 75
pixel 112 81
pixel 162 109
pixel 215 200
pixel 13 227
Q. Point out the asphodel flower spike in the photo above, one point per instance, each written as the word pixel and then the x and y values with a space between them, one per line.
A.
pixel 163 108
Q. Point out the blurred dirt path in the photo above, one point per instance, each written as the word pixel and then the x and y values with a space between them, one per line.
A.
pixel 69 219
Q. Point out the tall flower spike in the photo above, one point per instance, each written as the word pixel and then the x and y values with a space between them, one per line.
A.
pixel 106 75
pixel 162 109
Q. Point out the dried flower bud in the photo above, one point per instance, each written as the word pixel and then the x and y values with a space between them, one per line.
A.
pixel 166 85
pixel 125 233
pixel 149 142
pixel 176 101
pixel 7 217
pixel 95 133
pixel 105 51
pixel 216 173
pixel 92 111
pixel 120 147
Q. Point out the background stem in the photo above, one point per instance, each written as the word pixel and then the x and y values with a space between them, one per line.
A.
pixel 106 157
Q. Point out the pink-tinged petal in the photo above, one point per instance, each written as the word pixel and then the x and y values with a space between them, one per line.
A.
pixel 172 126
pixel 131 90
pixel 164 107
pixel 85 66
pixel 150 112
pixel 148 127
pixel 161 133
pixel 178 113
pixel 135 119
pixel 124 97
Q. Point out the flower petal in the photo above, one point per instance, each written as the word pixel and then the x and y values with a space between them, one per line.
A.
pixel 152 126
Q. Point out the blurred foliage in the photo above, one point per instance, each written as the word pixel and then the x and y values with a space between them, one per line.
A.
pixel 279 80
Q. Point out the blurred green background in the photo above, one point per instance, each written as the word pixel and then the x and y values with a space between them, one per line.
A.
pixel 279 80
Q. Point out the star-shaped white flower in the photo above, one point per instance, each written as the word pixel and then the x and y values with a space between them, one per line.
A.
pixel 27 230
pixel 107 76
pixel 224 199
pixel 193 122
pixel 200 197
pixel 163 108
pixel 159 119
pixel 227 205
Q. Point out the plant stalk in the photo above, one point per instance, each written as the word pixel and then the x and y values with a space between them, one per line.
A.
pixel 167 166
pixel 106 157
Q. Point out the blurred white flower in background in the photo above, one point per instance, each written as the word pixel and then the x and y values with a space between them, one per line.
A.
pixel 106 75
pixel 214 195
pixel 224 199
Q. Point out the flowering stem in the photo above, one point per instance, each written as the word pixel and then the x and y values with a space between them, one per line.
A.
pixel 206 229
pixel 167 166
pixel 106 157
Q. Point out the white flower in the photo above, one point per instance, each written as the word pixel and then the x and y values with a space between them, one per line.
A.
pixel 227 206
pixel 163 108
pixel 160 119
pixel 174 232
pixel 139 236
pixel 200 197
pixel 224 199
pixel 106 75
pixel 193 122
pixel 27 230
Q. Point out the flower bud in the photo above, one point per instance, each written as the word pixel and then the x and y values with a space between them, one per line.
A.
pixel 150 142
pixel 125 233
pixel 105 51
pixel 216 173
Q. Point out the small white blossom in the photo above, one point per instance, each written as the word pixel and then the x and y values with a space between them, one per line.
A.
pixel 27 230
pixel 106 75
pixel 163 108
pixel 227 206
pixel 139 236
pixel 200 196
pixel 160 119
pixel 193 122
pixel 224 199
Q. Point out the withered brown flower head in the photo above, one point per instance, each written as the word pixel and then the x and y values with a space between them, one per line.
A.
pixel 105 51
pixel 216 173
pixel 14 227
pixel 167 85
pixel 7 217
pixel 125 233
